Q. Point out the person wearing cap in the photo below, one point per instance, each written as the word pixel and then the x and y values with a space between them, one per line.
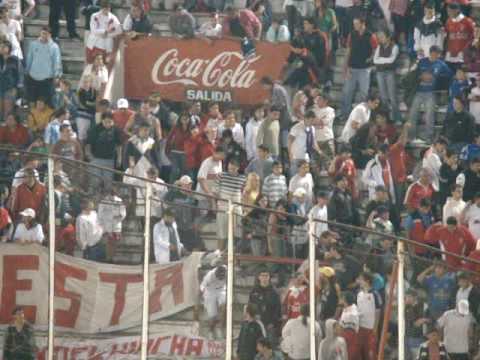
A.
pixel 104 28
pixel 428 32
pixel 433 347
pixel 28 231
pixel 214 291
pixel 43 64
pixel 378 172
pixel 453 238
pixel 457 325
pixel 19 341
pixel 30 194
pixel 122 116
pixel 460 31
pixel 185 206
pixel 166 241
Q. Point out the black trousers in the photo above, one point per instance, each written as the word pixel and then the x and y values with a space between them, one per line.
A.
pixel 40 88
pixel 56 12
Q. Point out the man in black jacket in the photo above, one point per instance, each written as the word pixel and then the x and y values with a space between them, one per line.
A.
pixel 250 332
pixel 341 208
pixel 459 125
pixel 268 303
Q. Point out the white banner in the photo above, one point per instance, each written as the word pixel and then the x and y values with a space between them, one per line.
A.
pixel 160 346
pixel 91 297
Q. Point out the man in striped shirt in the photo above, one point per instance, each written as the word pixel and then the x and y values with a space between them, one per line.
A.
pixel 229 186
pixel 275 185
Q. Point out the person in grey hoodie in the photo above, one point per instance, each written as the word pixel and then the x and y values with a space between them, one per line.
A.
pixel 333 347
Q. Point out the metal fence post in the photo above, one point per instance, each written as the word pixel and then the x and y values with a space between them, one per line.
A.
pixel 312 272
pixel 51 268
pixel 401 300
pixel 230 270
pixel 146 275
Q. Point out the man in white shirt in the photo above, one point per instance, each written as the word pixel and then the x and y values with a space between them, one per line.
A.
pixel 358 117
pixel 214 293
pixel 207 176
pixel 251 131
pixel 211 28
pixel 369 304
pixel 28 231
pixel 104 27
pixel 303 179
pixel 319 212
pixel 323 123
pixel 301 142
pixel 89 232
pixel 471 216
pixel 432 160
pixel 232 124
pixel 166 241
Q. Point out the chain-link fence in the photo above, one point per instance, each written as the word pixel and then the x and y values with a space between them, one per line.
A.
pixel 212 270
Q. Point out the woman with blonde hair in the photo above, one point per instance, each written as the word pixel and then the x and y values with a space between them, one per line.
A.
pixel 251 191
pixel 299 104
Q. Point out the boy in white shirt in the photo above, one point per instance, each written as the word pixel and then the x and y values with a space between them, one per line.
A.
pixel 89 232
pixel 104 27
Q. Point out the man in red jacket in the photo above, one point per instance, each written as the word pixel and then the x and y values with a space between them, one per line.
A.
pixel 422 189
pixel 30 194
pixel 460 31
pixel 453 238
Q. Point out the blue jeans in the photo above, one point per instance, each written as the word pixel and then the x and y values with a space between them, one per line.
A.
pixel 360 78
pixel 95 252
pixel 412 345
pixel 428 100
pixel 388 92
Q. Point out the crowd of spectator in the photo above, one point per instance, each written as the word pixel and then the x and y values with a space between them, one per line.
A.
pixel 406 161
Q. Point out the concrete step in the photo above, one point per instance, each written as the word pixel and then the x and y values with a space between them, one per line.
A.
pixel 32 28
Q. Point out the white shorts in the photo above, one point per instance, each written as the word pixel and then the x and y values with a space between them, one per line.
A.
pixel 83 125
pixel 212 301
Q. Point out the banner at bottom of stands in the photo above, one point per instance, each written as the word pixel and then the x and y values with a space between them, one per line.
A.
pixel 91 297
pixel 160 346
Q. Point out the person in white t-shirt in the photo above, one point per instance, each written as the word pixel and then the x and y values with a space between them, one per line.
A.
pixel 471 216
pixel 301 142
pixel 358 117
pixel 28 231
pixel 214 293
pixel 432 160
pixel 231 123
pixel 325 115
pixel 320 212
pixel 207 176
pixel 15 7
pixel 10 24
pixel 251 131
pixel 303 179
pixel 89 232
pixel 211 28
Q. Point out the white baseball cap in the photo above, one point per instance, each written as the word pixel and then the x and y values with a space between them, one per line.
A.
pixel 28 212
pixel 185 179
pixel 463 307
pixel 122 104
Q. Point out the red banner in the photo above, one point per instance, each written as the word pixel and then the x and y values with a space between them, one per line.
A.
pixel 91 297
pixel 200 70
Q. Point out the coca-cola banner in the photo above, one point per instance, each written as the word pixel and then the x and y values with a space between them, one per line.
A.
pixel 200 69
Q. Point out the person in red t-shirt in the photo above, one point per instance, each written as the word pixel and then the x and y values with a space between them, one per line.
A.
pixel 460 31
pixel 14 133
pixel 122 116
pixel 397 158
pixel 419 190
pixel 296 296
pixel 344 165
pixel 30 194
pixel 454 238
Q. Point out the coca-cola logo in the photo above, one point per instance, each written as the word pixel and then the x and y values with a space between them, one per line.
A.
pixel 227 69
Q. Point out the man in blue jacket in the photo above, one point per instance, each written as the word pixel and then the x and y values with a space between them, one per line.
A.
pixel 43 67
pixel 433 72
